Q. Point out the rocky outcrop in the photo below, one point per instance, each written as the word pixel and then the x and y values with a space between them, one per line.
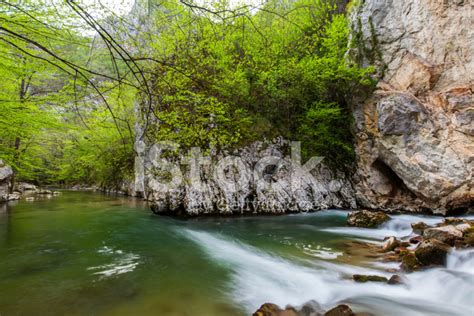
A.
pixel 415 135
pixel 6 174
pixel 265 177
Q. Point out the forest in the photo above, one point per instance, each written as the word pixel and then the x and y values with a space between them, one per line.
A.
pixel 81 83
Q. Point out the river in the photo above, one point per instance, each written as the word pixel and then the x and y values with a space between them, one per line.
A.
pixel 84 253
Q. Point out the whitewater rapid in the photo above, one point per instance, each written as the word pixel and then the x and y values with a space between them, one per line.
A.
pixel 258 277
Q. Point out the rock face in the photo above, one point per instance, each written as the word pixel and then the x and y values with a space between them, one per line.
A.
pixel 6 173
pixel 260 178
pixel 415 135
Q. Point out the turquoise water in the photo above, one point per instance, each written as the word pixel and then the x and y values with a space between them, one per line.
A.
pixel 88 254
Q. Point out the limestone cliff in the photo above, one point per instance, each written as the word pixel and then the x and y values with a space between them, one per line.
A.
pixel 259 178
pixel 415 135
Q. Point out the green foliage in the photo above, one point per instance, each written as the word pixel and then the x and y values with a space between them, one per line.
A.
pixel 210 77
pixel 54 127
pixel 281 71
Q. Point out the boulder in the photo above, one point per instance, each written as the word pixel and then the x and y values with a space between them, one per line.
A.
pixel 419 227
pixel 446 234
pixel 368 278
pixel 269 309
pixel 395 279
pixel 432 252
pixel 410 262
pixel 367 219
pixel 340 310
pixel 390 244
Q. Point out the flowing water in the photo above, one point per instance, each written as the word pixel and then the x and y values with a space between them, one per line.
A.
pixel 89 254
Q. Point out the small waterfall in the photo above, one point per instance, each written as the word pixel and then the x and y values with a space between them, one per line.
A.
pixel 259 277
pixel 398 226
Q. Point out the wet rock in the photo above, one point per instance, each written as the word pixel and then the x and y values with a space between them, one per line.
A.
pixel 410 262
pixel 419 227
pixel 367 219
pixel 395 279
pixel 453 221
pixel 432 252
pixel 269 309
pixel 30 199
pixel 311 308
pixel 368 278
pixel 446 234
pixel 416 240
pixel 463 228
pixel 401 250
pixel 340 310
pixel 469 240
pixel 390 244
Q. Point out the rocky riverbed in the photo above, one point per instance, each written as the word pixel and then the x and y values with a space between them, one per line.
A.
pixel 439 244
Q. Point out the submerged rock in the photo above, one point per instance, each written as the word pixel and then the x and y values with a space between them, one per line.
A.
pixel 368 278
pixel 432 252
pixel 446 234
pixel 367 219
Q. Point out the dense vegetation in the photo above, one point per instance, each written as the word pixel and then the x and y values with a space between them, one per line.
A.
pixel 217 76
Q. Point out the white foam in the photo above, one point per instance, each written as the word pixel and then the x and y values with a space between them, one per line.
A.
pixel 259 277
pixel 122 263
